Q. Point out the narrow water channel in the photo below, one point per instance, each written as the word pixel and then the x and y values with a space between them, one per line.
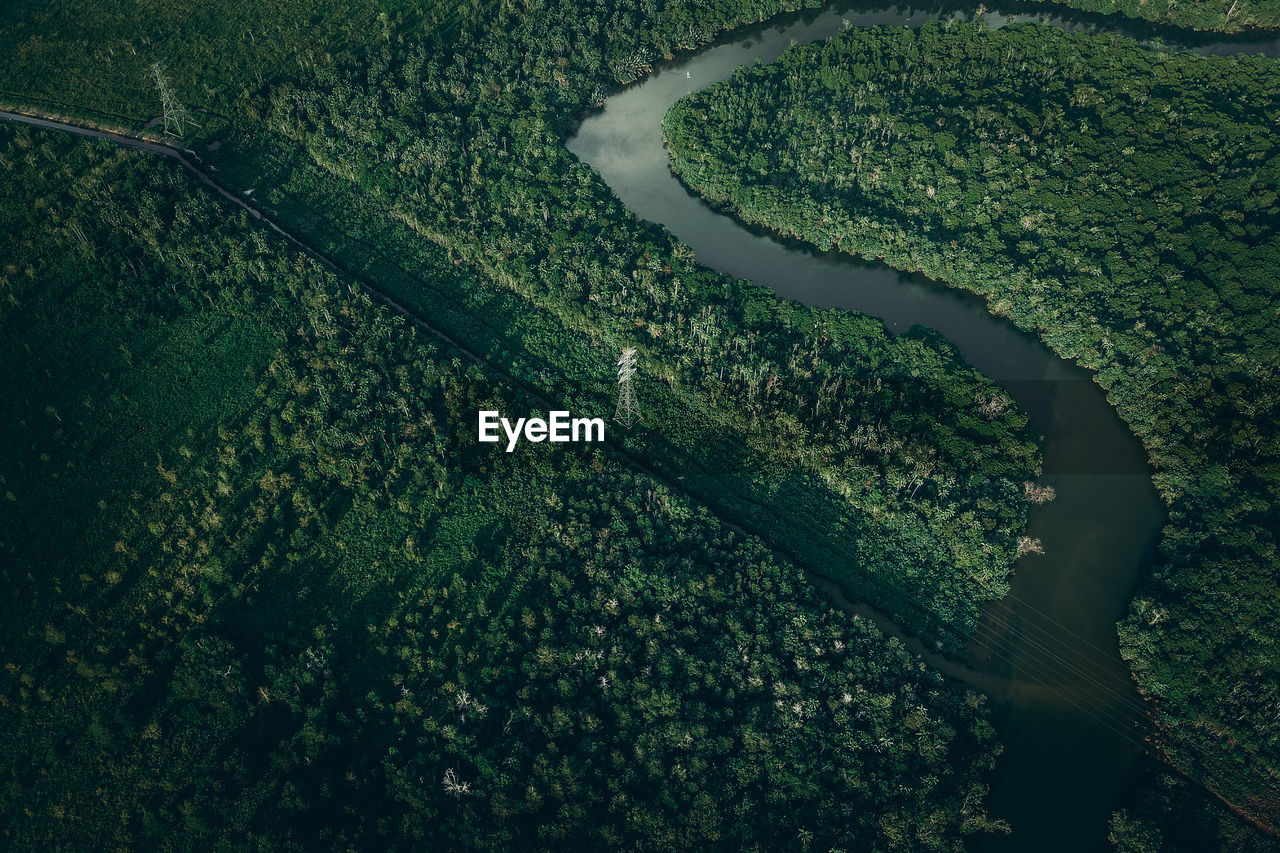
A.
pixel 1047 654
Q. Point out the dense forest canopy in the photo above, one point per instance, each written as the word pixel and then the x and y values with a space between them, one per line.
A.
pixel 1199 15
pixel 834 439
pixel 90 56
pixel 305 613
pixel 299 613
pixel 1121 202
pixel 265 588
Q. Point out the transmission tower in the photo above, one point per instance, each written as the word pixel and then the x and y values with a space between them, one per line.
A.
pixel 627 412
pixel 176 117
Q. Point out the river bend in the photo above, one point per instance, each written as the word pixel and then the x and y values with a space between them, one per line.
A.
pixel 1048 654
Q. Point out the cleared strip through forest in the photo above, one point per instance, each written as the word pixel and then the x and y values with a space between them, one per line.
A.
pixel 989 683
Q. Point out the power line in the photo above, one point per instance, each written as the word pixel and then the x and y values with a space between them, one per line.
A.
pixel 929 615
pixel 628 412
pixel 1083 675
pixel 176 117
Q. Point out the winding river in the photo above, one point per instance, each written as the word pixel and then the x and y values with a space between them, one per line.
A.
pixel 1065 704
pixel 1047 654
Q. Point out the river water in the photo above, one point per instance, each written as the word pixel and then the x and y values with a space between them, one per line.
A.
pixel 1047 655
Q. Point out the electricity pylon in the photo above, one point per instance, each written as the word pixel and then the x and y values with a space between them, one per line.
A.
pixel 176 117
pixel 627 412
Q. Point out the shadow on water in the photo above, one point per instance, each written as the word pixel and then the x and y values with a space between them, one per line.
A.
pixel 1047 654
